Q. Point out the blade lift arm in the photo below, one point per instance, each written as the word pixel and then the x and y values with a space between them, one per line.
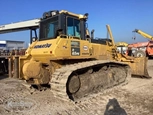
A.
pixel 110 34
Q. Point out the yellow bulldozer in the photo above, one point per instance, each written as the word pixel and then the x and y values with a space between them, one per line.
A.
pixel 122 47
pixel 69 59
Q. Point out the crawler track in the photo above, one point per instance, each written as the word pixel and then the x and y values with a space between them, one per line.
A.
pixel 76 81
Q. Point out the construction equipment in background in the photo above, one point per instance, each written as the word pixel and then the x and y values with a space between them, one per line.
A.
pixel 137 49
pixel 67 57
pixel 121 44
pixel 141 49
pixel 144 34
pixel 122 47
pixel 4 55
pixel 31 25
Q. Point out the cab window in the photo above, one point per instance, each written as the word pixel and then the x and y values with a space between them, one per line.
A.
pixel 48 28
pixel 73 27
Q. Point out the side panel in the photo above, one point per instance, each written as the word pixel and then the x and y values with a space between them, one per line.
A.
pixel 73 49
pixel 67 48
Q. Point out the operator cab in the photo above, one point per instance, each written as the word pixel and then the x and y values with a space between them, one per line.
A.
pixel 58 23
pixel 55 23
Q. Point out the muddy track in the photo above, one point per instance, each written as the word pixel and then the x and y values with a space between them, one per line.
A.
pixel 61 77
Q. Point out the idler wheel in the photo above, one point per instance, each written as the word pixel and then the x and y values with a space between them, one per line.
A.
pixel 73 84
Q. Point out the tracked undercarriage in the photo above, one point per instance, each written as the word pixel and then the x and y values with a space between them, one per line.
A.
pixel 79 80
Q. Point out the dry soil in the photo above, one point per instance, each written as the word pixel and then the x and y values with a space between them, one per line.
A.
pixel 135 98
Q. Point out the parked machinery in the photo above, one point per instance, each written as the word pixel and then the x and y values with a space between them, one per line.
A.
pixel 144 34
pixel 142 49
pixel 69 59
pixel 122 47
pixel 5 55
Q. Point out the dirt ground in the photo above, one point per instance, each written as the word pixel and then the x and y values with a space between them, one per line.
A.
pixel 135 98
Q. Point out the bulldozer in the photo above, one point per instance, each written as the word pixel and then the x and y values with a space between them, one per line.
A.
pixel 67 57
pixel 122 47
